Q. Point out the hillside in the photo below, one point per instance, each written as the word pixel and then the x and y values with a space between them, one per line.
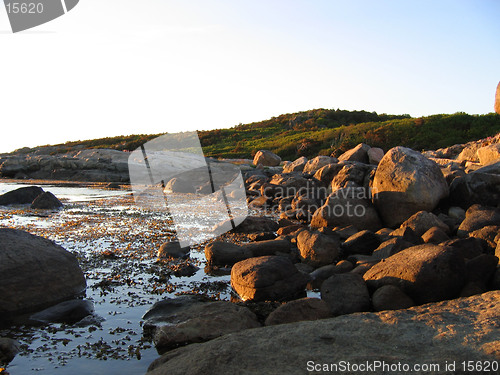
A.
pixel 319 131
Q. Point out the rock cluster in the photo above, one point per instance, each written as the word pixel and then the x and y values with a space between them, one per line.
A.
pixel 34 195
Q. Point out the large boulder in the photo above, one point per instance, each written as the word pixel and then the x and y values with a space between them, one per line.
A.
pixel 185 320
pixel 481 186
pixel 345 207
pixel 35 273
pixel 23 195
pixel 465 329
pixel 65 312
pixel 358 153
pixel 375 154
pixel 266 158
pixel 46 201
pixel 489 154
pixel 317 249
pixel 406 182
pixel 345 293
pixel 267 278
pixel 426 273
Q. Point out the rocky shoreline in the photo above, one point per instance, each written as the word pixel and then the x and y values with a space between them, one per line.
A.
pixel 401 245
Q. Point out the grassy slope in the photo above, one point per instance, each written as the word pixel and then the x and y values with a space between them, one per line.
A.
pixel 323 132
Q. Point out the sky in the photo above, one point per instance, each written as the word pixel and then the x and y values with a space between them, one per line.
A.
pixel 119 67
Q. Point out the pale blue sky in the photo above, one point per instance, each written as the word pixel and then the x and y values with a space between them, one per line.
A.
pixel 112 67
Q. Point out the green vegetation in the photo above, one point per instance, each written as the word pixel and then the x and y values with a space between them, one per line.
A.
pixel 321 131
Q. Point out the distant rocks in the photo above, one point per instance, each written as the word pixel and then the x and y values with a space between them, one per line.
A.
pixel 94 165
pixel 35 273
pixel 35 195
pixel 406 182
pixel 23 195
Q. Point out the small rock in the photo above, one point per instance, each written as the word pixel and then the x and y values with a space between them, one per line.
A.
pixel 317 249
pixel 478 217
pixel 46 201
pixel 422 221
pixel 488 235
pixel 375 155
pixel 363 242
pixel 435 235
pixel 299 310
pixel 390 297
pixel 481 268
pixel 65 312
pixel 296 166
pixel 345 293
pixel 173 250
pixel 489 154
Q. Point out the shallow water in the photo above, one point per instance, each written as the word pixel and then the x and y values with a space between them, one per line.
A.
pixel 116 243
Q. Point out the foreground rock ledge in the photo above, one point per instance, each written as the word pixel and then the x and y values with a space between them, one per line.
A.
pixel 465 329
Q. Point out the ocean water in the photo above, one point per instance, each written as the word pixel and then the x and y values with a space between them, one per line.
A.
pixel 116 244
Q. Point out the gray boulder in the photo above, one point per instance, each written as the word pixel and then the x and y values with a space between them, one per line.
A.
pixel 426 273
pixel 465 329
pixel 23 195
pixel 35 273
pixel 65 312
pixel 185 320
pixel 406 182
